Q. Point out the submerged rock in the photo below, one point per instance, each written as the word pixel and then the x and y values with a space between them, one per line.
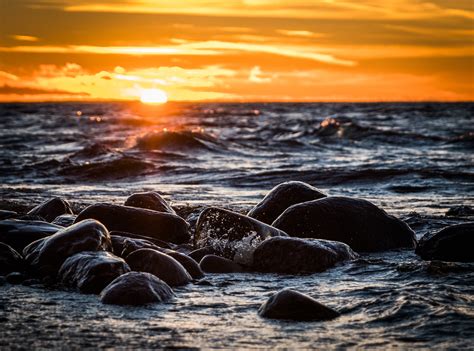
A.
pixel 10 260
pixel 51 209
pixel 452 244
pixel 358 223
pixel 231 234
pixel 149 200
pixel 15 278
pixel 281 197
pixel 217 264
pixel 136 288
pixel 91 271
pixel 65 220
pixel 187 262
pixel 290 304
pixel 18 233
pixel 296 255
pixel 45 256
pixel 460 211
pixel 159 225
pixel 163 266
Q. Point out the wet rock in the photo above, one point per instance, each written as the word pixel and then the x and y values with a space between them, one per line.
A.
pixel 198 254
pixel 3 281
pixel 358 223
pixel 131 245
pixel 4 214
pixel 460 211
pixel 187 262
pixel 15 278
pixel 149 200
pixel 231 234
pixel 296 255
pixel 158 225
pixel 217 264
pixel 46 256
pixel 91 271
pixel 452 244
pixel 157 242
pixel 281 197
pixel 51 209
pixel 136 288
pixel 18 233
pixel 31 282
pixel 163 266
pixel 65 220
pixel 10 260
pixel 293 305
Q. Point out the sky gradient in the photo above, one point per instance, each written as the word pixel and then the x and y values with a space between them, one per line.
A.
pixel 247 50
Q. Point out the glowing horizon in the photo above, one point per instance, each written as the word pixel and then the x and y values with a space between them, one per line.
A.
pixel 246 50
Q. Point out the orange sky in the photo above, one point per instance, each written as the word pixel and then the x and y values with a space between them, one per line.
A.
pixel 238 50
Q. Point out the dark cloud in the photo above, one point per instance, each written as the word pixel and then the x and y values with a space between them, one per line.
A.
pixel 8 89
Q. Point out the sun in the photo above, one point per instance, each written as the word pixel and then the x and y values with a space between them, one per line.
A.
pixel 153 96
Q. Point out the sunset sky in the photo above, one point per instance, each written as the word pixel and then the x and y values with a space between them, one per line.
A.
pixel 247 50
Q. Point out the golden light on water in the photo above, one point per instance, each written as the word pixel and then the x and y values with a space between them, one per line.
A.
pixel 153 96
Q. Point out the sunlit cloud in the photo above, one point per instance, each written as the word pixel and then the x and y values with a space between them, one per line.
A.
pixel 300 33
pixel 256 76
pixel 25 37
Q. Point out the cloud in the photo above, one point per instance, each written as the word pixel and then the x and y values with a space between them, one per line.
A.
pixel 300 33
pixel 23 90
pixel 25 38
pixel 255 76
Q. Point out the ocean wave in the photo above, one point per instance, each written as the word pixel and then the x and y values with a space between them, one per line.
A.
pixel 189 140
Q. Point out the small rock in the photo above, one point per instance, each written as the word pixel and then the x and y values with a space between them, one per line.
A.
pixel 90 272
pixel 198 254
pixel 452 244
pixel 460 211
pixel 18 233
pixel 187 262
pixel 65 220
pixel 149 200
pixel 10 260
pixel 15 278
pixel 231 234
pixel 51 209
pixel 293 305
pixel 158 225
pixel 163 266
pixel 296 255
pixel 136 288
pixel 281 197
pixel 46 256
pixel 358 223
pixel 216 264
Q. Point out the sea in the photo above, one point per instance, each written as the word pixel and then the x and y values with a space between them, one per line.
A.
pixel 414 160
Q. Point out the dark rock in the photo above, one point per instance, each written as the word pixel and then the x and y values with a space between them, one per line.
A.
pixel 15 278
pixel 51 209
pixel 131 245
pixel 31 282
pixel 4 214
pixel 3 281
pixel 149 200
pixel 136 288
pixel 296 255
pixel 10 260
pixel 281 197
pixel 65 220
pixel 19 233
pixel 216 264
pixel 45 256
pixel 91 271
pixel 358 223
pixel 231 234
pixel 460 211
pixel 198 254
pixel 187 262
pixel 159 264
pixel 157 242
pixel 293 305
pixel 452 244
pixel 158 225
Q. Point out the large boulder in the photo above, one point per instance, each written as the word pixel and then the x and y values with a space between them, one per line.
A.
pixel 293 305
pixel 91 271
pixel 231 235
pixel 51 209
pixel 453 244
pixel 18 233
pixel 281 197
pixel 45 256
pixel 150 200
pixel 10 260
pixel 296 255
pixel 163 266
pixel 136 288
pixel 159 225
pixel 358 223
pixel 217 264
